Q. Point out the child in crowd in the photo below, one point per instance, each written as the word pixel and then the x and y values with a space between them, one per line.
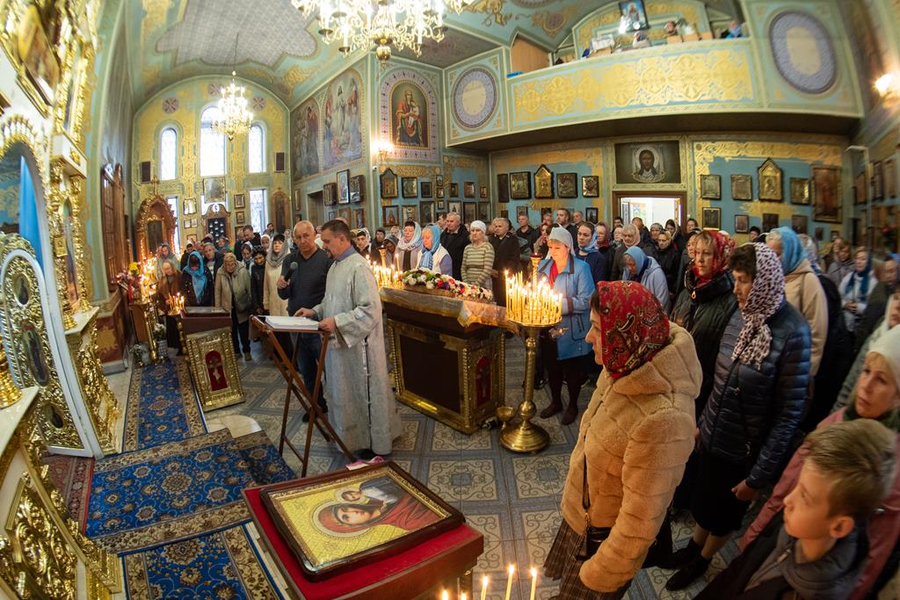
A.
pixel 820 549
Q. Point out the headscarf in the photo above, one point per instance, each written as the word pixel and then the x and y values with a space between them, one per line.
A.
pixel 592 244
pixel 792 253
pixel 427 256
pixel 862 277
pixel 633 326
pixel 561 235
pixel 640 261
pixel 721 247
pixel 766 297
pixel 275 260
pixel 888 346
pixel 896 258
pixel 478 225
pixel 198 275
pixel 414 243
pixel 249 260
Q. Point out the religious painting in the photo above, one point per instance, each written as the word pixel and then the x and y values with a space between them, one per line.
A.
pixel 358 188
pixel 567 185
pixel 592 214
pixel 388 184
pixel 770 178
pixel 33 352
pixel 634 16
pixel 455 207
pixel 646 163
pixel 410 213
pixel 484 212
pixel 189 206
pixel 343 187
pixel 520 185
pixel 337 521
pixel 346 214
pixel 390 216
pixel 214 189
pixel 877 181
pixel 543 182
pixel 890 178
pixel 441 205
pixel 483 192
pixel 410 187
pixel 36 51
pixel 742 223
pixel 469 189
pixel 454 190
pixel 470 212
pixel 305 139
pixel 439 191
pixel 826 194
pixel 239 201
pixel 239 217
pixel 799 190
pixel 359 217
pixel 329 194
pixel 426 212
pixel 590 186
pixel 800 223
pixel 741 187
pixel 341 132
pixel 861 189
pixel 712 218
pixel 332 215
pixel 503 187
pixel 425 189
pixel 711 187
pixel 769 222
pixel 409 116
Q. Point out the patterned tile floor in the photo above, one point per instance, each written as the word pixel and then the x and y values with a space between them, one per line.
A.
pixel 512 499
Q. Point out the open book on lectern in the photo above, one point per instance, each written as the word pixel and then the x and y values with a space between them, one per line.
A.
pixel 292 324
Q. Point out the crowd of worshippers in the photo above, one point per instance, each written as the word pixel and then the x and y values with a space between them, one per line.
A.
pixel 765 374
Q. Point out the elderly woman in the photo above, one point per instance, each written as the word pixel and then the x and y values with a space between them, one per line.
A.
pixel 433 256
pixel 564 351
pixel 407 255
pixel 164 255
pixel 587 251
pixel 233 296
pixel 197 282
pixel 389 245
pixel 167 287
pixel 856 288
pixel 605 248
pixel 646 271
pixel 634 439
pixel 478 257
pixel 758 397
pixel 875 396
pixel 275 256
pixel 841 261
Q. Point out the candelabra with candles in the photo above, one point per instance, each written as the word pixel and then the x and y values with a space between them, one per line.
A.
pixel 386 277
pixel 533 306
pixel 177 304
pixel 485 582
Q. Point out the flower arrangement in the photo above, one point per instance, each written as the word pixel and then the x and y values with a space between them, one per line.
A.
pixel 432 280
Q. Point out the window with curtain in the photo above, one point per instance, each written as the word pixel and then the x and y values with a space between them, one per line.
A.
pixel 259 209
pixel 256 149
pixel 168 154
pixel 212 145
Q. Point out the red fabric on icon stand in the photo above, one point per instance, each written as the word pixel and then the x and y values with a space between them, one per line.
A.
pixel 415 570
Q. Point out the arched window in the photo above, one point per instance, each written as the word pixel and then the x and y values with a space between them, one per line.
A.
pixel 256 149
pixel 168 154
pixel 212 145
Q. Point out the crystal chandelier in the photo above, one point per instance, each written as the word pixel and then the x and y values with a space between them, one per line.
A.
pixel 384 24
pixel 233 117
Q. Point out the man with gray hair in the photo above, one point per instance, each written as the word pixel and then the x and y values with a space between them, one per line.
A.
pixel 630 237
pixel 455 239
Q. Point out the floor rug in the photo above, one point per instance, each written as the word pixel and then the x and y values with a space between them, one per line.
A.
pixel 177 490
pixel 162 407
pixel 213 565
pixel 72 477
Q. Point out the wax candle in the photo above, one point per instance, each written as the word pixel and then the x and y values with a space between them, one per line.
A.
pixel 533 581
pixel 463 596
pixel 512 571
pixel 484 587
pixel 445 595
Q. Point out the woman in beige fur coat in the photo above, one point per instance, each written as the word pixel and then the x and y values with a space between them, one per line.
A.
pixel 635 438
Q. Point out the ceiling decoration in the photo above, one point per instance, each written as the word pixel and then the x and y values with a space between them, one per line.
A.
pixel 455 46
pixel 803 52
pixel 475 98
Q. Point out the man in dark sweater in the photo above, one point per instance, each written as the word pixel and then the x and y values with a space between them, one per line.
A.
pixel 454 240
pixel 305 289
pixel 506 257
pixel 563 219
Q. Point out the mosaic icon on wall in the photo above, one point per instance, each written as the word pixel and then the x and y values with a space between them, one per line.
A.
pixel 341 119
pixel 474 98
pixel 803 52
pixel 305 139
pixel 409 115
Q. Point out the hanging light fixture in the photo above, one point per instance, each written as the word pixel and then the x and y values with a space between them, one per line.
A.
pixel 384 24
pixel 233 117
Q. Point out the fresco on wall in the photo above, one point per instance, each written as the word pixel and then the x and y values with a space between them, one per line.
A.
pixel 305 139
pixel 409 121
pixel 654 162
pixel 409 115
pixel 341 137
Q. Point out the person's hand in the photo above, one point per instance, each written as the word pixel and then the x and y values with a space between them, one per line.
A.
pixel 851 306
pixel 305 312
pixel 328 325
pixel 282 283
pixel 744 492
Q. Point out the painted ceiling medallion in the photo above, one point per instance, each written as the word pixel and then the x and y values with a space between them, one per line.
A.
pixel 474 98
pixel 803 52
pixel 170 105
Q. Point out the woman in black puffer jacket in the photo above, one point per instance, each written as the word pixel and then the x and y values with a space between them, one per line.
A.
pixel 761 380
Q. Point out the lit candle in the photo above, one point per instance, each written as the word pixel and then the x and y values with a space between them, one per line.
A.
pixel 484 587
pixel 512 571
pixel 445 595
pixel 463 596
pixel 533 581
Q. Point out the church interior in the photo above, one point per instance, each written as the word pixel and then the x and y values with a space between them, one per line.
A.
pixel 154 444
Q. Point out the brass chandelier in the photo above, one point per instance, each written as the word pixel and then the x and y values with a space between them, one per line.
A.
pixel 233 117
pixel 384 24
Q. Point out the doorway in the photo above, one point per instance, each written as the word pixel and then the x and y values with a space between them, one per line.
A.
pixel 652 207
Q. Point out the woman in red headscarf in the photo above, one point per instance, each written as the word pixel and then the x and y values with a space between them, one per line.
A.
pixel 635 438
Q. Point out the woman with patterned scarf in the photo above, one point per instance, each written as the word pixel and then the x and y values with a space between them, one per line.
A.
pixel 856 288
pixel 409 246
pixel 752 414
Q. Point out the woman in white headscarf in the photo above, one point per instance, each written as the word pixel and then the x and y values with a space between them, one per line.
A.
pixel 407 254
pixel 278 251
pixel 478 257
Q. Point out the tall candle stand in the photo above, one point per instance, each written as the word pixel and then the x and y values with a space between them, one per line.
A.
pixel 534 307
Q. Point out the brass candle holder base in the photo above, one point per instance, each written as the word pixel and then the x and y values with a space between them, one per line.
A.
pixel 524 436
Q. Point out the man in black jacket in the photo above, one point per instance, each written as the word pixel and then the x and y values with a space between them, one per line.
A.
pixel 455 239
pixel 506 257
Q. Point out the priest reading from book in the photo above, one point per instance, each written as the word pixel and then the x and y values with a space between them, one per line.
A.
pixel 361 403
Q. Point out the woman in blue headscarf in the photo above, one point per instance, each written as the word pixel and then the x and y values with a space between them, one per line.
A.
pixel 802 289
pixel 409 246
pixel 587 251
pixel 646 271
pixel 196 281
pixel 433 256
pixel 856 288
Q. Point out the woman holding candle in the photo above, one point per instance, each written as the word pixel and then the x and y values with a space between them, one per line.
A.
pixel 635 437
pixel 167 288
pixel 433 255
pixel 564 351
pixel 478 257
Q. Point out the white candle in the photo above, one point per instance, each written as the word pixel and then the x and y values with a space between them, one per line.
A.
pixel 512 571
pixel 445 595
pixel 533 581
pixel 484 587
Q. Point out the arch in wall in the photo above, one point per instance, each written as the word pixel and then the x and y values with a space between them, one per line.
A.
pixel 154 225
